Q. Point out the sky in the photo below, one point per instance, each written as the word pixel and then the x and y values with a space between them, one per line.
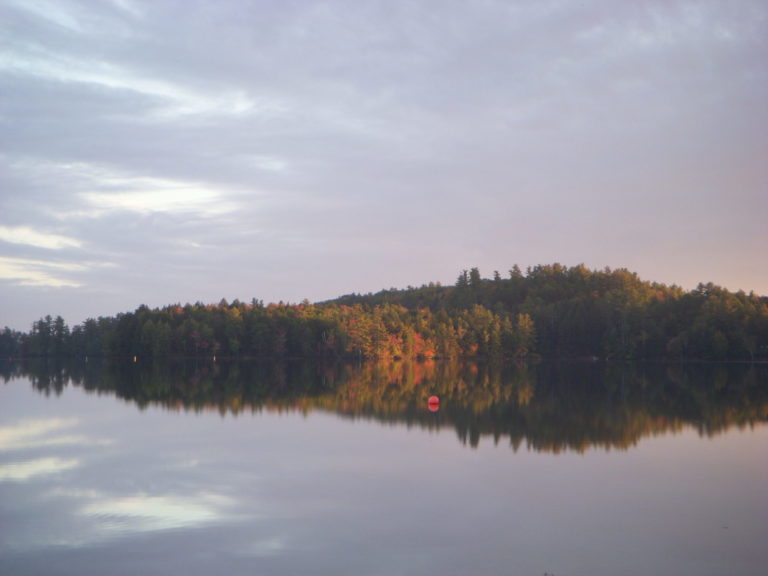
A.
pixel 173 151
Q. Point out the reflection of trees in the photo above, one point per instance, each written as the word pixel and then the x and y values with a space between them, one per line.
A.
pixel 546 407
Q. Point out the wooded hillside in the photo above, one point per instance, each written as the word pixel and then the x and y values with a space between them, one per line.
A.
pixel 550 310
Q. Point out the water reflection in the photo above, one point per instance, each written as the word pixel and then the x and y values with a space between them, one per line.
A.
pixel 546 407
pixel 149 513
pixel 66 482
pixel 36 433
pixel 28 469
pixel 110 469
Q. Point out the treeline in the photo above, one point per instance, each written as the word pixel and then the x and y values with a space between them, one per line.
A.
pixel 551 311
pixel 385 331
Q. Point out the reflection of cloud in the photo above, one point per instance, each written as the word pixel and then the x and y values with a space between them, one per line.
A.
pixel 74 493
pixel 190 463
pixel 144 513
pixel 100 516
pixel 264 547
pixel 21 471
pixel 34 433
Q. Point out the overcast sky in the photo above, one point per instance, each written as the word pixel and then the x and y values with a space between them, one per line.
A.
pixel 174 151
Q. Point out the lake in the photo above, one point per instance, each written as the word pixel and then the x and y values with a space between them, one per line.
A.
pixel 254 468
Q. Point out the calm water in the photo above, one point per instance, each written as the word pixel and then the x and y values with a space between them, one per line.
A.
pixel 248 469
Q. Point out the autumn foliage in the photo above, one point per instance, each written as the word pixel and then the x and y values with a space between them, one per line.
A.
pixel 552 311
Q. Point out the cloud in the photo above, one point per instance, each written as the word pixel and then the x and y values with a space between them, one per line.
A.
pixel 171 99
pixel 228 149
pixel 95 190
pixel 32 237
pixel 147 195
pixel 58 13
pixel 29 272
pixel 106 190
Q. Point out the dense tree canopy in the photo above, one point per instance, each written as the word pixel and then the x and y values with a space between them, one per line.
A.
pixel 552 311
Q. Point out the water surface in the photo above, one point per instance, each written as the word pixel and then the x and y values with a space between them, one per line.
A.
pixel 252 469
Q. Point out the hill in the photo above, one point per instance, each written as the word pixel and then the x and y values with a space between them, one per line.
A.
pixel 550 310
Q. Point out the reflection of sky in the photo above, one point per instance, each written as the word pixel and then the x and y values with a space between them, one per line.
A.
pixel 35 433
pixel 21 471
pixel 51 469
pixel 145 513
pixel 293 494
pixel 31 434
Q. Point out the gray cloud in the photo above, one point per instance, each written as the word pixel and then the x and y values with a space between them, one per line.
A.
pixel 286 150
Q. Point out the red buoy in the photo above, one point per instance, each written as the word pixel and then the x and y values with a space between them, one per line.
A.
pixel 433 403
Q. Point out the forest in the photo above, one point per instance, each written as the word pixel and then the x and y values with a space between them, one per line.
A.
pixel 549 311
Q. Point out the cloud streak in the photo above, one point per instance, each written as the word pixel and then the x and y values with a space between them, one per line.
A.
pixel 27 272
pixel 31 237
